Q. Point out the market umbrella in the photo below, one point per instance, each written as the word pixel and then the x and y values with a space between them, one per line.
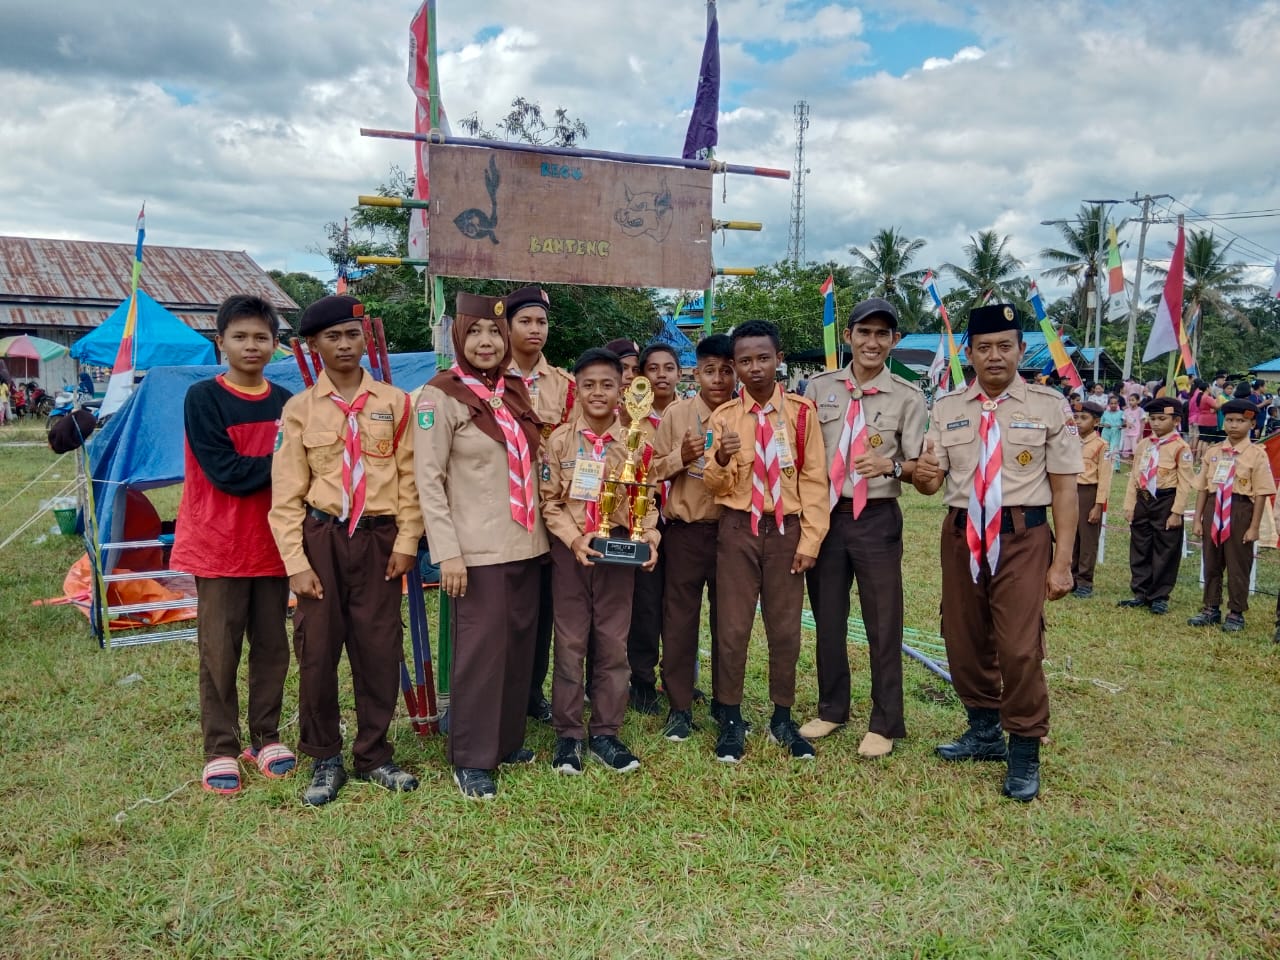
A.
pixel 26 347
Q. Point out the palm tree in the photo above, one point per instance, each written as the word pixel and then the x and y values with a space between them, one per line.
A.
pixel 1078 258
pixel 884 266
pixel 1210 280
pixel 990 269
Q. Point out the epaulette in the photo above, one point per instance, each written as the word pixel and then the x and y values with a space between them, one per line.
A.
pixel 1046 391
pixel 824 373
pixel 906 383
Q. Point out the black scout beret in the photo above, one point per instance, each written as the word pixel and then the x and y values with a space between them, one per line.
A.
pixel 1163 405
pixel 532 296
pixel 1246 407
pixel 329 312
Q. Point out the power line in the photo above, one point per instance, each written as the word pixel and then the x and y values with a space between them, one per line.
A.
pixel 1257 248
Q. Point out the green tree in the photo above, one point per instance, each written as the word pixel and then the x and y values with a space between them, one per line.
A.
pixel 989 268
pixel 789 295
pixel 1079 257
pixel 302 288
pixel 525 123
pixel 884 268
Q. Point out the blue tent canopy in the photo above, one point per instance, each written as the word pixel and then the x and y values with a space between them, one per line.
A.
pixel 673 336
pixel 142 446
pixel 161 339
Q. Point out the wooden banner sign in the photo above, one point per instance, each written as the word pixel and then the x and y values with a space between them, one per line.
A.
pixel 546 219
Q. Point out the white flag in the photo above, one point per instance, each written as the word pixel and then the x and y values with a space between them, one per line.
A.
pixel 1275 282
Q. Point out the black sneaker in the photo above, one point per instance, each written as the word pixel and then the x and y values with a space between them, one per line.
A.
pixel 1159 607
pixel 1082 593
pixel 732 742
pixel 390 777
pixel 327 778
pixel 1132 602
pixel 520 755
pixel 1233 624
pixel 475 784
pixel 613 753
pixel 540 710
pixel 786 734
pixel 644 699
pixel 567 758
pixel 1206 618
pixel 716 710
pixel 679 725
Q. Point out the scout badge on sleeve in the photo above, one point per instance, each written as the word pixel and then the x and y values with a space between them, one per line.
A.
pixel 627 485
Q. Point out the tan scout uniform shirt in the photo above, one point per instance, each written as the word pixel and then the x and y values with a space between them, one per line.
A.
pixel 1253 470
pixel 1175 469
pixel 462 484
pixel 690 500
pixel 804 491
pixel 548 388
pixel 896 418
pixel 1038 436
pixel 564 516
pixel 307 467
pixel 1097 467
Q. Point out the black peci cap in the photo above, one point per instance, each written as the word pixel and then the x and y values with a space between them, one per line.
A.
pixel 993 318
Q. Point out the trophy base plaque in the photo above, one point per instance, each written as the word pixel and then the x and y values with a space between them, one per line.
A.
pixel 620 550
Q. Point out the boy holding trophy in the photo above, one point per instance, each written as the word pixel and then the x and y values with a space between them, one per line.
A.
pixel 599 513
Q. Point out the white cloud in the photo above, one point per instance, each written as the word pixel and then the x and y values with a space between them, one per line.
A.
pixel 963 55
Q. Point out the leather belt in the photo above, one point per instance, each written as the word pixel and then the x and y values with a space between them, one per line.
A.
pixel 1031 517
pixel 364 523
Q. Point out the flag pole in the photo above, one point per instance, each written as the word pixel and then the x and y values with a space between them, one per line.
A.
pixel 709 295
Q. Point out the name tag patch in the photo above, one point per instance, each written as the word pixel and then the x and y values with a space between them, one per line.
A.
pixel 957 424
pixel 382 415
pixel 1027 425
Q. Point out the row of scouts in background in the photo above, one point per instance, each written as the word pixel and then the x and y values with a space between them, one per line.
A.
pixel 499 461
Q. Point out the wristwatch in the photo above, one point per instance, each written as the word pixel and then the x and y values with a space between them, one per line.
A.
pixel 897 469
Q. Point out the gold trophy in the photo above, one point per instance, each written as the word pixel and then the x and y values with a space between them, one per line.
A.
pixel 629 483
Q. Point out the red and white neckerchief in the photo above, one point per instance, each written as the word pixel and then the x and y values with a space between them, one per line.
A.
pixel 852 444
pixel 1222 502
pixel 592 516
pixel 765 471
pixel 353 479
pixel 982 528
pixel 1147 480
pixel 519 465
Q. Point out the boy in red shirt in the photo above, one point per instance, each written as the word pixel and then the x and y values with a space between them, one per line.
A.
pixel 223 539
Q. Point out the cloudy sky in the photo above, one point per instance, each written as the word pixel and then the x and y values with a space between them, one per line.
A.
pixel 238 121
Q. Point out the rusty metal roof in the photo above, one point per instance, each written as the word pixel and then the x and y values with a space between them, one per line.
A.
pixel 77 283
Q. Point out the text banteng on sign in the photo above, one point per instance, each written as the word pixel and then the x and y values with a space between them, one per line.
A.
pixel 516 216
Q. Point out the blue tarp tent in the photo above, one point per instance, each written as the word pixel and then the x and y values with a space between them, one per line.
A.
pixel 162 339
pixel 675 337
pixel 142 445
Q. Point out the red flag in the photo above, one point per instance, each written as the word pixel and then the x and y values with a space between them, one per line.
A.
pixel 1164 332
pixel 420 40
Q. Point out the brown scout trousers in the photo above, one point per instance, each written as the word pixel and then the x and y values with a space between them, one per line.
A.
pixel 690 551
pixel 1235 556
pixel 495 629
pixel 361 611
pixel 751 568
pixel 645 637
pixel 1084 555
pixel 994 629
pixel 1155 554
pixel 868 550
pixel 593 614
pixel 230 607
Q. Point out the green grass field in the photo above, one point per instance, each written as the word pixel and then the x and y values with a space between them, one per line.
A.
pixel 1157 834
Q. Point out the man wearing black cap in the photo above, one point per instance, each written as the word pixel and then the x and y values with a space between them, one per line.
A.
pixel 1158 486
pixel 1007 451
pixel 345 515
pixel 1093 486
pixel 628 351
pixel 873 424
pixel 1234 485
pixel 551 394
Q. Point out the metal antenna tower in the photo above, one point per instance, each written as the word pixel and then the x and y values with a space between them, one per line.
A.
pixel 795 244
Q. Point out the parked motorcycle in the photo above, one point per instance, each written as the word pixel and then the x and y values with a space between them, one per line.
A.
pixel 38 401
pixel 69 399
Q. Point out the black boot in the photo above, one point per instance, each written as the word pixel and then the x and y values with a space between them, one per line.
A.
pixel 1022 782
pixel 982 741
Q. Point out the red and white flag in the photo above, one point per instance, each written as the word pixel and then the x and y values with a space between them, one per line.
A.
pixel 421 30
pixel 1164 332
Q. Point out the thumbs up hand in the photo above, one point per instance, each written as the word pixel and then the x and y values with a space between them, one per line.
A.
pixel 730 444
pixel 928 472
pixel 691 447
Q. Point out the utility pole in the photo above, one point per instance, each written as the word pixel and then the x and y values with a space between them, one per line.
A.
pixel 795 243
pixel 1097 283
pixel 1136 299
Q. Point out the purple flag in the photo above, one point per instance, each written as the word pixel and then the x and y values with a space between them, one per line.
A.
pixel 703 135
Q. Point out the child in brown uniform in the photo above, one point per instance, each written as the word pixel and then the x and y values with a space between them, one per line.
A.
pixel 1233 485
pixel 593 600
pixel 477 455
pixel 1093 486
pixel 345 515
pixel 692 522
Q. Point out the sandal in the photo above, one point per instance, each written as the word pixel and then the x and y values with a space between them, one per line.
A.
pixel 222 775
pixel 273 761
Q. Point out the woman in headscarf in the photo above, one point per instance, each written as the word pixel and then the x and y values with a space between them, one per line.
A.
pixel 476 452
